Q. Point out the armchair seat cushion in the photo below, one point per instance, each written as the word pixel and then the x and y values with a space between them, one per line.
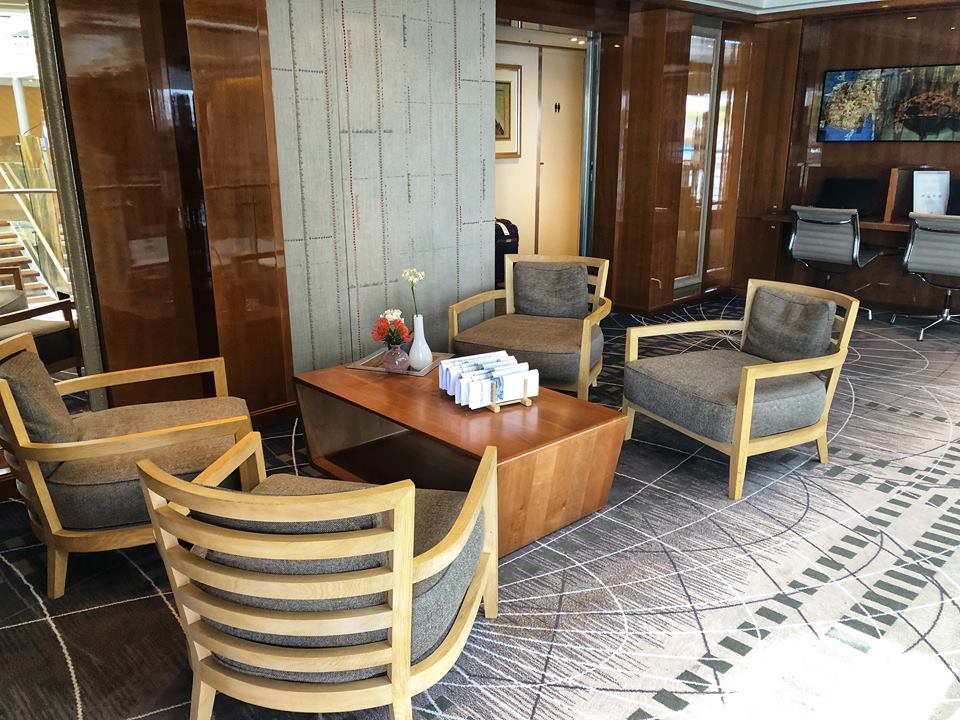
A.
pixel 53 336
pixel 436 599
pixel 699 391
pixel 550 344
pixel 105 491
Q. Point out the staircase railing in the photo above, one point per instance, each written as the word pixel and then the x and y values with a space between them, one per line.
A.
pixel 26 176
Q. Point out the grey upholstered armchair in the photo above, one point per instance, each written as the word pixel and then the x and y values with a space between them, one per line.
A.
pixel 554 305
pixel 772 391
pixel 50 323
pixel 322 596
pixel 77 473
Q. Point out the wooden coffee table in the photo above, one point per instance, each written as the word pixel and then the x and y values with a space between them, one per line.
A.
pixel 556 459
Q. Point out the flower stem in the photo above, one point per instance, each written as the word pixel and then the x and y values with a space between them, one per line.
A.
pixel 413 290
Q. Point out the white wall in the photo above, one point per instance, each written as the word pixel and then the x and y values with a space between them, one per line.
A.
pixel 515 189
pixel 385 144
pixel 560 139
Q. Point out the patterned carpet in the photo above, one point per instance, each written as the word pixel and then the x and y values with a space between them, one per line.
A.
pixel 829 591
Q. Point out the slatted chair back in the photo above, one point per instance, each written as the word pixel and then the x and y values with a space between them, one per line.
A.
pixel 185 512
pixel 934 247
pixel 597 270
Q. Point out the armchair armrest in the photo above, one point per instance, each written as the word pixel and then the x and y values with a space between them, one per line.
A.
pixel 680 328
pixel 64 306
pixel 155 372
pixel 246 456
pixel 482 496
pixel 750 374
pixel 15 272
pixel 466 304
pixel 134 442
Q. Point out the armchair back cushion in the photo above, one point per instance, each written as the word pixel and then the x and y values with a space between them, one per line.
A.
pixel 44 414
pixel 784 325
pixel 550 289
pixel 12 300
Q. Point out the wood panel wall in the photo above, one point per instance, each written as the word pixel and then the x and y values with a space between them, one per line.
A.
pixel 230 59
pixel 118 87
pixel 172 117
pixel 649 145
pixel 774 61
pixel 876 40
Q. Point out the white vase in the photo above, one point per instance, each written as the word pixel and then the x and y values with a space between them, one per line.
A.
pixel 420 354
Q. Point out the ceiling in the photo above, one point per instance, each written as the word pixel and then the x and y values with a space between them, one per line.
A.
pixel 761 7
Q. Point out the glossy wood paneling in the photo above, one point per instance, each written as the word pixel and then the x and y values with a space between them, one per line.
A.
pixel 119 101
pixel 733 85
pixel 654 81
pixel 611 124
pixel 606 16
pixel 773 69
pixel 230 62
pixel 879 40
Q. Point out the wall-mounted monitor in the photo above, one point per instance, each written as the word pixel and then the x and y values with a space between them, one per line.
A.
pixel 896 104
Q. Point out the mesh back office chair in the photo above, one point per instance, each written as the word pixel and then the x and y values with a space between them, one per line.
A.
pixel 934 249
pixel 824 239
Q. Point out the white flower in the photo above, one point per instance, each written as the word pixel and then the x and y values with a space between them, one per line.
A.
pixel 412 276
pixel 392 314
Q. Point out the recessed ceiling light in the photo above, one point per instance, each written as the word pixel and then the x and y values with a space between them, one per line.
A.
pixel 581 42
pixel 953 27
pixel 618 44
pixel 911 17
pixel 574 39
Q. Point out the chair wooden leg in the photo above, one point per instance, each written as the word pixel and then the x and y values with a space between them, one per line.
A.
pixel 56 572
pixel 401 710
pixel 631 415
pixel 491 592
pixel 822 448
pixel 738 469
pixel 201 700
pixel 583 390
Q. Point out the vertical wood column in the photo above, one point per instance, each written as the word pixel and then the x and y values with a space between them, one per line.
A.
pixel 230 61
pixel 653 81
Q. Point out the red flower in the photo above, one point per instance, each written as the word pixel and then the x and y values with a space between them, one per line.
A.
pixel 401 328
pixel 380 329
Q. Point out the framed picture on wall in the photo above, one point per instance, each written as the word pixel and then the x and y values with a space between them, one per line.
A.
pixel 894 104
pixel 506 106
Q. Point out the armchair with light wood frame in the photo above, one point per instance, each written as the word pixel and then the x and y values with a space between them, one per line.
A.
pixel 554 305
pixel 77 473
pixel 319 596
pixel 770 390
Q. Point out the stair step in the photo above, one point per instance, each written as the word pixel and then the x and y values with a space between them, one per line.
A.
pixel 14 260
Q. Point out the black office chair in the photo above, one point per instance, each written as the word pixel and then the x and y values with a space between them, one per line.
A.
pixel 828 240
pixel 934 249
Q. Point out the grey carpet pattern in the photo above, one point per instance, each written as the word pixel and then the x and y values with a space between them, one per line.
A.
pixel 828 591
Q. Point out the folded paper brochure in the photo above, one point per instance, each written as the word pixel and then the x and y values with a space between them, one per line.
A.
pixel 476 381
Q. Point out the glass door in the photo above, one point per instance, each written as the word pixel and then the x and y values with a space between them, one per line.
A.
pixel 698 140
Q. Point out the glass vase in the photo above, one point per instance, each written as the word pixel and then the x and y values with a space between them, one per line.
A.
pixel 395 359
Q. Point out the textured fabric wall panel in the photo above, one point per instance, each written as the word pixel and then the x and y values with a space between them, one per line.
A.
pixel 386 162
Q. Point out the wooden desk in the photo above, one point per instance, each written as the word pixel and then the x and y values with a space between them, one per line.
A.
pixel 896 226
pixel 555 459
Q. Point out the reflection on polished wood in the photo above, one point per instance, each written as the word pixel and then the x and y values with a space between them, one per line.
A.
pixel 230 61
pixel 732 86
pixel 653 78
pixel 774 58
pixel 556 459
pixel 115 67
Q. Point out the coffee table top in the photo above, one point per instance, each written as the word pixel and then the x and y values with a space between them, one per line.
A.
pixel 417 403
